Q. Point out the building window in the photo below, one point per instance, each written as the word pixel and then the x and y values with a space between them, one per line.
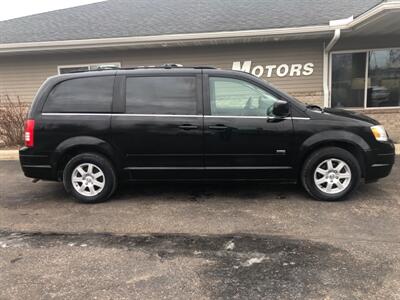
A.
pixel 85 67
pixel 366 79
pixel 383 78
pixel 348 80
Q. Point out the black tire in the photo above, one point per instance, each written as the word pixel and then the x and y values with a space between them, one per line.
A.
pixel 319 156
pixel 100 162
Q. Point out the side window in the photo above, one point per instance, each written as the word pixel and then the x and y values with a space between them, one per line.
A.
pixel 83 95
pixel 233 97
pixel 161 95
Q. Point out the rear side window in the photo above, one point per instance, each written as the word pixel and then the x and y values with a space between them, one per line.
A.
pixel 84 95
pixel 161 95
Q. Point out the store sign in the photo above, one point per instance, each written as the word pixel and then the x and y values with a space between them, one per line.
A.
pixel 282 70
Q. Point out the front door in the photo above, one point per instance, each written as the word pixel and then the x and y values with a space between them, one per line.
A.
pixel 243 139
pixel 160 133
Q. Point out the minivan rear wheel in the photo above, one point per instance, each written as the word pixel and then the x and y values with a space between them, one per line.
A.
pixel 90 178
pixel 330 174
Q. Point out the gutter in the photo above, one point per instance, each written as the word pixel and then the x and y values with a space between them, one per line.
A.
pixel 325 75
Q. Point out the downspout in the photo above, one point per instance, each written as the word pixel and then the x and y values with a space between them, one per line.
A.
pixel 326 66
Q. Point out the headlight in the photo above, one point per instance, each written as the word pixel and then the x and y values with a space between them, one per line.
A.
pixel 379 133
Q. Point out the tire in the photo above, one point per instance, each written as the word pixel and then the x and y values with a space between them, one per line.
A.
pixel 330 174
pixel 90 178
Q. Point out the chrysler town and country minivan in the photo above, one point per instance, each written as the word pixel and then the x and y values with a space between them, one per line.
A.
pixel 94 129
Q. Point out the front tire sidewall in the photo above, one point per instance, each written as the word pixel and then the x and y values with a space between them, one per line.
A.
pixel 103 164
pixel 327 153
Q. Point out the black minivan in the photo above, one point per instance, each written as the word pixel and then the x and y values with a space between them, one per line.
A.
pixel 94 129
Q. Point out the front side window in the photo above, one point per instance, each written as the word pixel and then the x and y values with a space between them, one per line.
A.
pixel 366 79
pixel 83 95
pixel 161 95
pixel 233 97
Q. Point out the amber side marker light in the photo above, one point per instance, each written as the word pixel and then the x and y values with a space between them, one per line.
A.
pixel 379 133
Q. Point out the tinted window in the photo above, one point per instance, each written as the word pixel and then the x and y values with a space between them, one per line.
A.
pixel 384 78
pixel 233 97
pixel 93 94
pixel 348 79
pixel 161 95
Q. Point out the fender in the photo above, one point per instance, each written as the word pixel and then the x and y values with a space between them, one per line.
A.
pixel 333 136
pixel 84 141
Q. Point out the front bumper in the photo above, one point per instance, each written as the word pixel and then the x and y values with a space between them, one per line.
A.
pixel 36 165
pixel 380 162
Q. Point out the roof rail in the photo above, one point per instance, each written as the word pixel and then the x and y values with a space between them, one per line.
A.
pixel 106 67
pixel 163 66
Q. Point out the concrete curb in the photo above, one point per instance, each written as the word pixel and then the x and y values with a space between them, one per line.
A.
pixel 13 154
pixel 8 154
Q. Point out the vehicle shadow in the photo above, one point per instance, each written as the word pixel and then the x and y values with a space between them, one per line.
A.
pixel 194 192
pixel 201 191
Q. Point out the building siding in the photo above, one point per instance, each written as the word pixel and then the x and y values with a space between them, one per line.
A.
pixel 22 75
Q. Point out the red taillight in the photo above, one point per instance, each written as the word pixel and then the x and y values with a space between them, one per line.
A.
pixel 29 129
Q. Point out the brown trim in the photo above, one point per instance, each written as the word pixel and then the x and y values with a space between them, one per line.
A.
pixel 378 110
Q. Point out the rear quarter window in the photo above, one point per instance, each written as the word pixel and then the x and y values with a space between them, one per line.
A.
pixel 81 95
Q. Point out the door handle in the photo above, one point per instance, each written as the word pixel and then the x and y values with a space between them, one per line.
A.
pixel 188 126
pixel 218 127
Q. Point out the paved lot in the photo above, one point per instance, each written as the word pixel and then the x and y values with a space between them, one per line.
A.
pixel 193 241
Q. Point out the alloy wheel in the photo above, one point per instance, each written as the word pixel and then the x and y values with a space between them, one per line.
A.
pixel 88 179
pixel 332 176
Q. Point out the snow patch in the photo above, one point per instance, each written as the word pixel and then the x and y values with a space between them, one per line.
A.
pixel 230 245
pixel 253 260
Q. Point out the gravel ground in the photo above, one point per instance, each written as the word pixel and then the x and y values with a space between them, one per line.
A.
pixel 198 241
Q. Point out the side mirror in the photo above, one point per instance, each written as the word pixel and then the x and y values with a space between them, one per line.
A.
pixel 281 108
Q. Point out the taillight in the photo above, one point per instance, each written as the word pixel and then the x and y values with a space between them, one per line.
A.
pixel 29 129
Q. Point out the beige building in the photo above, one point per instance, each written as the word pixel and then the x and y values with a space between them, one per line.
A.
pixel 343 54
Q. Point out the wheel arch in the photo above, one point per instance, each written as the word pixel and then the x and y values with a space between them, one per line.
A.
pixel 342 139
pixel 81 144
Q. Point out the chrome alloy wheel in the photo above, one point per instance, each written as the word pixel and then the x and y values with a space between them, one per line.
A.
pixel 88 179
pixel 332 176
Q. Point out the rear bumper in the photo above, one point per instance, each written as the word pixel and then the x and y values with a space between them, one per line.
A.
pixel 380 162
pixel 35 165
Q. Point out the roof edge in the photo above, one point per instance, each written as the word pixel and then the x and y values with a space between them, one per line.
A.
pixel 157 39
pixel 143 41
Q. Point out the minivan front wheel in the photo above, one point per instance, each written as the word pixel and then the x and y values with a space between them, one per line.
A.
pixel 90 178
pixel 330 174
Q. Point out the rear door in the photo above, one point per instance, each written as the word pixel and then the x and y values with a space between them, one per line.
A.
pixel 160 131
pixel 243 139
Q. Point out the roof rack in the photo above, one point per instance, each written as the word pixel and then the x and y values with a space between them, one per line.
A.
pixel 170 66
pixel 163 66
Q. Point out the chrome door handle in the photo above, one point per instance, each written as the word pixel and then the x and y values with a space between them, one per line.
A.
pixel 218 127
